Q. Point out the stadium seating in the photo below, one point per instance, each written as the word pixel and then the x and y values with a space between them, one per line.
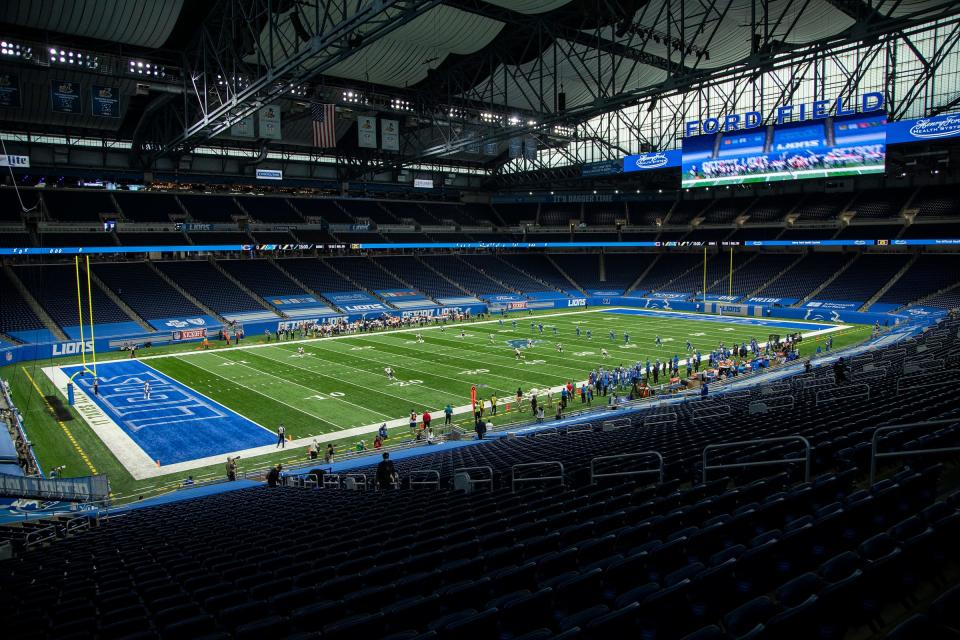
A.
pixel 937 202
pixel 269 209
pixel 760 270
pixel 78 239
pixel 769 209
pixel 821 206
pixel 648 213
pixel 864 277
pixel 147 206
pixel 273 237
pixel 315 274
pixel 879 203
pixel 465 275
pixel 540 268
pixel 726 211
pixel 77 206
pixel 494 267
pixel 931 231
pixel 928 274
pixel 368 209
pixel 136 239
pixel 366 273
pixel 144 291
pixel 262 278
pixel 205 283
pixel 869 231
pixel 421 278
pixel 806 233
pixel 210 208
pixel 805 276
pixel 605 214
pixel 512 214
pixel 762 555
pixel 558 215
pixel 219 237
pixel 17 314
pixel 10 208
pixel 328 209
pixel 55 288
pixel 753 232
pixel 686 210
pixel 666 268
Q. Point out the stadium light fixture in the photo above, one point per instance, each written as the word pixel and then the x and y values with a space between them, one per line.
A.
pixel 15 49
pixel 145 68
pixel 75 58
pixel 398 104
pixel 354 97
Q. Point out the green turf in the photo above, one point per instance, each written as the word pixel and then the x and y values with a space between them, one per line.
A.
pixel 341 383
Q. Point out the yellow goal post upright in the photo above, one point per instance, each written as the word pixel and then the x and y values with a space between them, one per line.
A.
pixel 86 366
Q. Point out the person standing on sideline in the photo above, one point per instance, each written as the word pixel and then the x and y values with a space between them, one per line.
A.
pixel 231 467
pixel 413 422
pixel 448 414
pixel 328 457
pixel 704 389
pixel 493 405
pixel 281 437
pixel 96 387
pixel 426 419
pixel 382 431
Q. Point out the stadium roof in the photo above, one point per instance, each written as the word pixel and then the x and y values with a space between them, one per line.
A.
pixel 455 72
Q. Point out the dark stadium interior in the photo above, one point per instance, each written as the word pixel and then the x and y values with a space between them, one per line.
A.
pixel 326 180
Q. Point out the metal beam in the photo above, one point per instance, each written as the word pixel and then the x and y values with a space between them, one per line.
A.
pixel 330 42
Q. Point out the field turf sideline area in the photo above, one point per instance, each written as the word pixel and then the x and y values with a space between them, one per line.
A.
pixel 205 405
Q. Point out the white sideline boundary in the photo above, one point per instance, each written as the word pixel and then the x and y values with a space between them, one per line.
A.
pixel 136 461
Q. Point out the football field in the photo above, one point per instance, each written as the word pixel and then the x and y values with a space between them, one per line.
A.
pixel 205 405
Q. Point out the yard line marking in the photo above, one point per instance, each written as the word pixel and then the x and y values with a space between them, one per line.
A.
pixel 239 384
pixel 286 380
pixel 66 430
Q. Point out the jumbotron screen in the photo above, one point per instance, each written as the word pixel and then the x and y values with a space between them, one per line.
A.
pixel 843 146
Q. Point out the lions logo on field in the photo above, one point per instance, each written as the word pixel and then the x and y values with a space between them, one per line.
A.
pixel 520 344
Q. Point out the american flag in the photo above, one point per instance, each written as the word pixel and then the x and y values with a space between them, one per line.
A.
pixel 324 125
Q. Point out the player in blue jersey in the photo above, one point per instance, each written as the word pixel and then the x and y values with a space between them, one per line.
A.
pixel 613 336
pixel 658 341
pixel 626 338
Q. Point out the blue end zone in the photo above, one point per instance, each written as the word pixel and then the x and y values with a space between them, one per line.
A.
pixel 754 322
pixel 175 424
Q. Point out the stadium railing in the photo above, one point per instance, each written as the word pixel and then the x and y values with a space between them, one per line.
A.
pixel 906 452
pixel 659 470
pixel 514 479
pixel 760 463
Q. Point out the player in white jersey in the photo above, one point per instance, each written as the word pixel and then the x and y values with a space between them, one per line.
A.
pixel 299 352
pixel 491 338
pixel 518 354
pixel 604 353
pixel 389 372
pixel 146 390
pixel 419 339
pixel 462 334
pixel 559 347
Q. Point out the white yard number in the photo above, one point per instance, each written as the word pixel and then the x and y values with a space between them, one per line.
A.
pixel 667 340
pixel 534 362
pixel 581 354
pixel 727 329
pixel 405 383
pixel 359 348
pixel 232 362
pixel 698 334
pixel 473 372
pixel 327 396
pixel 628 346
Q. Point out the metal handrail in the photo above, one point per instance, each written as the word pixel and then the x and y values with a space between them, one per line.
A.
pixel 852 391
pixel 581 427
pixel 875 440
pixel 736 465
pixel 419 483
pixel 613 425
pixel 594 475
pixel 331 481
pixel 471 480
pixel 513 472
pixel 359 478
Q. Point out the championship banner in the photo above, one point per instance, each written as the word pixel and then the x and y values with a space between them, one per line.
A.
pixel 367 132
pixel 105 101
pixel 242 128
pixel 65 97
pixel 490 149
pixel 269 121
pixel 390 135
pixel 516 148
pixel 10 90
pixel 530 148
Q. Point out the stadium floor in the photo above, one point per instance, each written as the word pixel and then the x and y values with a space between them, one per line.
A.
pixel 338 390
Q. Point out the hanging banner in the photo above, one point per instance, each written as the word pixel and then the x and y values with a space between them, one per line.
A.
pixel 9 90
pixel 530 148
pixel 367 132
pixel 932 128
pixel 105 101
pixel 269 174
pixel 65 97
pixel 390 135
pixel 650 161
pixel 243 128
pixel 516 147
pixel 490 149
pixel 269 123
